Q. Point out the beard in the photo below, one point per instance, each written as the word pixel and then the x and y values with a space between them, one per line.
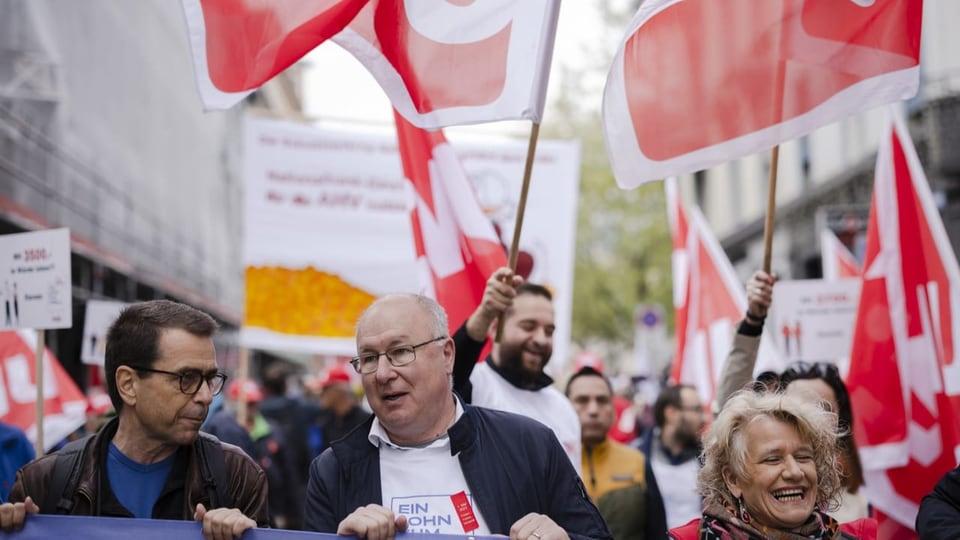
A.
pixel 511 359
pixel 687 437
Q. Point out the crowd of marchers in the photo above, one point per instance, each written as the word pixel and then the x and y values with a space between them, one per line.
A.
pixel 445 441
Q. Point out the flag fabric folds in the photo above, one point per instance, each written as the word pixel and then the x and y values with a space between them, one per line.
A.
pixel 239 45
pixel 676 101
pixel 836 259
pixel 709 301
pixel 904 378
pixel 440 63
pixel 456 246
pixel 64 405
pixel 454 63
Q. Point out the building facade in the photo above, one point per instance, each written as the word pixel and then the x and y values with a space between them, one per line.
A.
pixel 102 131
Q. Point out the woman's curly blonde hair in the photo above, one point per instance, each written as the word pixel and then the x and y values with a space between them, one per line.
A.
pixel 725 443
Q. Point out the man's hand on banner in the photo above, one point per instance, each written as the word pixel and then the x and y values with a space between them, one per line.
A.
pixel 12 515
pixel 223 523
pixel 373 522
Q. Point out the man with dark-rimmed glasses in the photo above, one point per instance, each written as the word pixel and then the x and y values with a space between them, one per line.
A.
pixel 150 462
pixel 426 462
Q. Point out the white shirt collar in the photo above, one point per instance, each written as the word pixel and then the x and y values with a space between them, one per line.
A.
pixel 378 435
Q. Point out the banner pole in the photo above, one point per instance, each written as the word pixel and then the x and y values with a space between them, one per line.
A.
pixel 38 366
pixel 771 210
pixel 521 207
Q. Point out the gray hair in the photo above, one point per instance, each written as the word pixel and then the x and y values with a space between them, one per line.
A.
pixel 436 312
pixel 725 442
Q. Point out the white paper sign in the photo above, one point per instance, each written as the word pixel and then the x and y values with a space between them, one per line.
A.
pixel 35 286
pixel 812 319
pixel 96 322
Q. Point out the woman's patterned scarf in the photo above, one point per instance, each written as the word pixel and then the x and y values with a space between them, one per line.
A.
pixel 723 523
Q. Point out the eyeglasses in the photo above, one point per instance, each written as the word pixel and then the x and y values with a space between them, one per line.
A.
pixel 191 380
pixel 398 356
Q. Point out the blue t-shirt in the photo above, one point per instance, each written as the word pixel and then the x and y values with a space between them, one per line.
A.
pixel 137 486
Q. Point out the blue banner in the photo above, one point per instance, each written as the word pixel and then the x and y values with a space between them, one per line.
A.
pixel 44 527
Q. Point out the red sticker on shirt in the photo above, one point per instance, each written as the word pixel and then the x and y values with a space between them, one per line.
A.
pixel 464 511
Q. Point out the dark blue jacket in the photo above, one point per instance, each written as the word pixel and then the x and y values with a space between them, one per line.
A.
pixel 512 464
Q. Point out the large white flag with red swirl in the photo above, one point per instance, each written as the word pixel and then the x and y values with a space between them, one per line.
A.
pixel 904 378
pixel 441 63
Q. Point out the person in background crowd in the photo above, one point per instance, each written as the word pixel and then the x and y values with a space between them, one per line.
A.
pixel 427 462
pixel 939 515
pixel 268 449
pixel 672 448
pixel 342 410
pixel 617 476
pixel 512 378
pixel 151 461
pixel 769 468
pixel 293 415
pixel 15 452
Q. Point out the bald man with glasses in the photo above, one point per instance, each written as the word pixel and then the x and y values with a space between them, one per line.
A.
pixel 151 461
pixel 426 462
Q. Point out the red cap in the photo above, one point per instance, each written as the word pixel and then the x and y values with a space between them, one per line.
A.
pixel 334 374
pixel 250 387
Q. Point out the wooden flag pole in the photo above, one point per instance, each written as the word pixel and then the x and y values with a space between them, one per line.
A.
pixel 771 209
pixel 521 207
pixel 774 161
pixel 38 365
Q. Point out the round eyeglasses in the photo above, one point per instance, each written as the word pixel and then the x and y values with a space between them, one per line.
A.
pixel 397 356
pixel 191 380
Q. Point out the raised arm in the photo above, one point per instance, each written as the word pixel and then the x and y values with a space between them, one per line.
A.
pixel 738 368
pixel 471 337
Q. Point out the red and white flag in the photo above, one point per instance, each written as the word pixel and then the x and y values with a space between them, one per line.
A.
pixel 700 82
pixel 709 301
pixel 677 216
pixel 904 378
pixel 836 259
pixel 238 45
pixel 453 63
pixel 64 405
pixel 457 248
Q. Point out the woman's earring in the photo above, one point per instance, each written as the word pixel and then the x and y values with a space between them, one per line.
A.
pixel 744 515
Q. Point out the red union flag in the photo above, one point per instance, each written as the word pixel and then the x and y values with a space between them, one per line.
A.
pixel 456 245
pixel 64 406
pixel 904 375
pixel 677 216
pixel 457 62
pixel 836 259
pixel 708 300
pixel 238 45
pixel 700 82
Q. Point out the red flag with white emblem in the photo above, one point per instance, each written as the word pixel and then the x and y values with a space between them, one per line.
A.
pixel 452 63
pixel 836 259
pixel 904 378
pixel 457 248
pixel 677 215
pixel 700 82
pixel 239 45
pixel 64 405
pixel 441 63
pixel 709 302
